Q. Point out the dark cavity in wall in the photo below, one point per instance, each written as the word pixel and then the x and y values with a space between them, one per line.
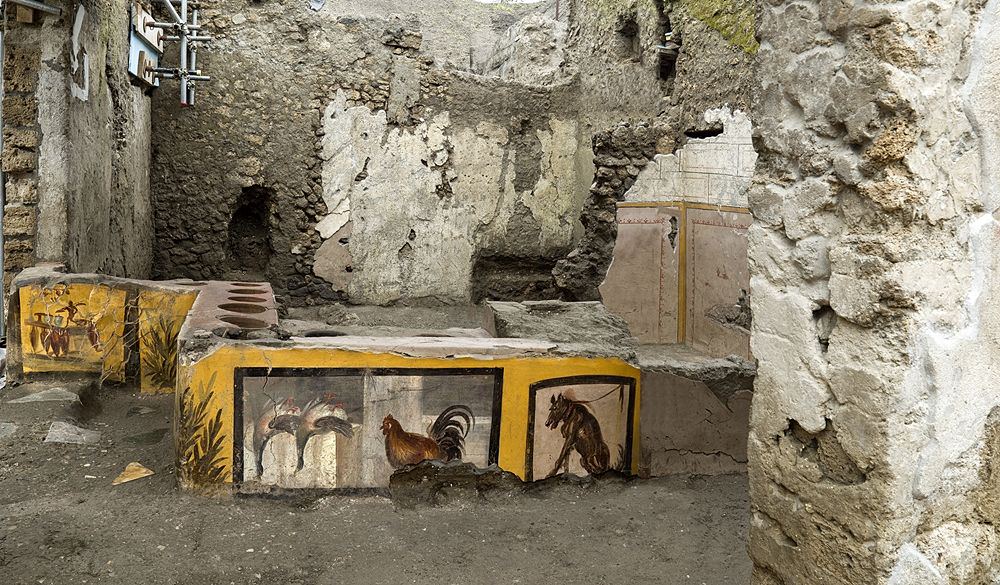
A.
pixel 669 44
pixel 512 278
pixel 249 247
pixel 629 45
pixel 707 132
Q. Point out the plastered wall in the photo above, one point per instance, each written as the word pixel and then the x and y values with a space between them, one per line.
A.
pixel 679 272
pixel 76 145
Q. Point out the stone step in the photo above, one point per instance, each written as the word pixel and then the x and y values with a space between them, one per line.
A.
pixel 32 408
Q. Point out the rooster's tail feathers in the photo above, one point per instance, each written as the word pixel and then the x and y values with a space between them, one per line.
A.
pixel 451 428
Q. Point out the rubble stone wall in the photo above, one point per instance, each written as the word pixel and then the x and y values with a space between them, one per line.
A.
pixel 406 162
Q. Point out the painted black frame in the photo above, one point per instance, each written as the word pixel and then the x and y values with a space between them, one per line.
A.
pixel 533 389
pixel 327 372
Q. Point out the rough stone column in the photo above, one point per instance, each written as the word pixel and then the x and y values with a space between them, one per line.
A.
pixel 875 277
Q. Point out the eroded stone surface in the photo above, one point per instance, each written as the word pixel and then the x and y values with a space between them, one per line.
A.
pixel 872 269
pixel 583 327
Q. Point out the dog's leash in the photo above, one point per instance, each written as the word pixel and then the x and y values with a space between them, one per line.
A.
pixel 620 388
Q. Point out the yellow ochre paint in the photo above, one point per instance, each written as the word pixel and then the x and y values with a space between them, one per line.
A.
pixel 161 315
pixel 215 373
pixel 73 328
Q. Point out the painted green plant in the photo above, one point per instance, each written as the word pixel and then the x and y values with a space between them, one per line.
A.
pixel 200 458
pixel 159 362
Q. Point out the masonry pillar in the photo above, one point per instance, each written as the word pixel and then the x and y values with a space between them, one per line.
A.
pixel 875 286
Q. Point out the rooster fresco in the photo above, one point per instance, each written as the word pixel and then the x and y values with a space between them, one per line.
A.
pixel 445 440
pixel 283 417
pixel 321 416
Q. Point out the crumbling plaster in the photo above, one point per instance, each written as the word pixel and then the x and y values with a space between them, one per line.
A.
pixel 391 176
pixel 428 197
pixel 872 261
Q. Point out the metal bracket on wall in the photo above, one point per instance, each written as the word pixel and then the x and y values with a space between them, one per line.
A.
pixel 183 28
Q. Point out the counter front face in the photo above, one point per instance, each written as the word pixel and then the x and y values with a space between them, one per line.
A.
pixel 260 419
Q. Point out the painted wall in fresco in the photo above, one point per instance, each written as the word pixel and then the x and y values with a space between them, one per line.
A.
pixel 680 274
pixel 580 425
pixel 641 284
pixel 351 428
pixel 161 315
pixel 244 404
pixel 73 328
pixel 718 282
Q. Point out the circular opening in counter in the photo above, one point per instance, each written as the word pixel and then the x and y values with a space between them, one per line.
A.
pixel 254 284
pixel 192 283
pixel 323 333
pixel 244 299
pixel 243 322
pixel 245 291
pixel 246 308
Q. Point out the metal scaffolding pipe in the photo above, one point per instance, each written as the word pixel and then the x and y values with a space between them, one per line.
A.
pixel 40 6
pixel 172 12
pixel 193 59
pixel 184 54
pixel 187 36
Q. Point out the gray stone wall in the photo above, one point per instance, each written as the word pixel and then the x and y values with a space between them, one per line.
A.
pixel 619 71
pixel 388 177
pixel 76 145
pixel 873 263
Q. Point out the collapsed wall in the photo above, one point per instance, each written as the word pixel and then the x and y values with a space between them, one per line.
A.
pixel 383 175
pixel 872 254
pixel 397 160
pixel 76 144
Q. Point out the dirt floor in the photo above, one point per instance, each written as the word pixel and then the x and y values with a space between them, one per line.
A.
pixel 62 522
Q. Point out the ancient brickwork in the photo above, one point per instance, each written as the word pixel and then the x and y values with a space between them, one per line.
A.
pixel 873 266
pixel 76 145
pixel 21 139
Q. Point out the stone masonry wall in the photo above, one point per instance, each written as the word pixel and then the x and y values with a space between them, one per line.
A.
pixel 873 263
pixel 389 171
pixel 386 177
pixel 76 144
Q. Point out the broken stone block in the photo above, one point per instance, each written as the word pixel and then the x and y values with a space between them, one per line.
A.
pixel 48 395
pixel 63 432
pixel 586 327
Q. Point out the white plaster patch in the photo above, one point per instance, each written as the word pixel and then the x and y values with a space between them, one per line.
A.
pixel 423 200
pixel 79 91
pixel 716 170
pixel 913 568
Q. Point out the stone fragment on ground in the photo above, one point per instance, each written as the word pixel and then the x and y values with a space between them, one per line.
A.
pixel 55 394
pixel 7 430
pixel 64 432
pixel 148 438
pixel 140 411
pixel 132 472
